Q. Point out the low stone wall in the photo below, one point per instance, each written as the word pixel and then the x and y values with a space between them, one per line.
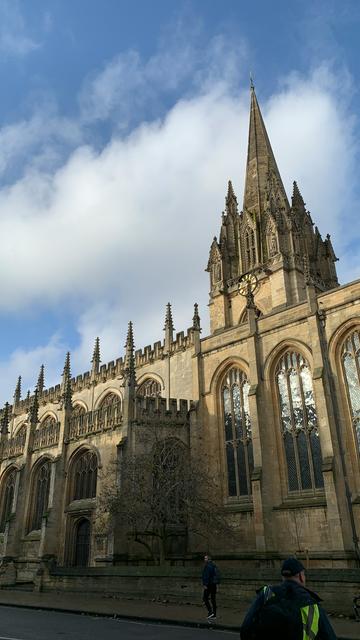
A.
pixel 337 587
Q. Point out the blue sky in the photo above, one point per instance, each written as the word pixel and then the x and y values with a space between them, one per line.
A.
pixel 120 124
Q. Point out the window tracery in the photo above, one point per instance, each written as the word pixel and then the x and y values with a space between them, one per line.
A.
pixel 237 433
pixel 41 487
pixel 299 423
pixel 84 476
pixel 351 366
pixel 150 388
pixel 7 498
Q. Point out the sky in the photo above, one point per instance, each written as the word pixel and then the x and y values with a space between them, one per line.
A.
pixel 121 122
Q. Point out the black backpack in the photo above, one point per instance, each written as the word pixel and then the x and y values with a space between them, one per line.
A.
pixel 279 617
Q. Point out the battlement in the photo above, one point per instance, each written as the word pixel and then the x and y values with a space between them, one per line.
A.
pixel 158 410
pixel 113 369
pixel 149 354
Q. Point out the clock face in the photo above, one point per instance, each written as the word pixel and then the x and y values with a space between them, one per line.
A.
pixel 248 283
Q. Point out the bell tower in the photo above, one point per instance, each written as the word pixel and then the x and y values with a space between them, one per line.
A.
pixel 270 239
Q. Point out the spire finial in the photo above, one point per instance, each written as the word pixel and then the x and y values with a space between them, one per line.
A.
pixel 297 199
pixel 17 392
pixel 196 318
pixel 66 371
pixel 168 318
pixel 129 369
pixel 252 86
pixel 96 353
pixel 34 409
pixel 231 199
pixel 5 419
pixel 96 359
pixel 66 383
pixel 41 380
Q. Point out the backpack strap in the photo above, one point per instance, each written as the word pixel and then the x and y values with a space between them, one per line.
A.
pixel 310 619
pixel 267 593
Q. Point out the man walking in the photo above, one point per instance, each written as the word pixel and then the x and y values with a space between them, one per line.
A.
pixel 287 611
pixel 210 579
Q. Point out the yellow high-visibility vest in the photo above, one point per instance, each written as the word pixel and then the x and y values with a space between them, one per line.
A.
pixel 310 620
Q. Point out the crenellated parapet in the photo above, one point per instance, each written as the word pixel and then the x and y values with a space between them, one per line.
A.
pixel 160 411
pixel 150 354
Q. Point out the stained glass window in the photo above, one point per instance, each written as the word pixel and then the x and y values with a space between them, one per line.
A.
pixel 299 423
pixel 237 433
pixel 351 364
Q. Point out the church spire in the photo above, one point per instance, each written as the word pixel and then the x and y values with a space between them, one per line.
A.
pixel 261 164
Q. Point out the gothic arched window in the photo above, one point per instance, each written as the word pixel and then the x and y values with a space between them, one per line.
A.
pixel 299 423
pixel 84 476
pixel 110 410
pixel 7 498
pixel 237 433
pixel 41 487
pixel 250 249
pixel 351 363
pixel 150 388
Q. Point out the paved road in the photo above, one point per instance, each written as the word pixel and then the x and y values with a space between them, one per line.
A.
pixel 26 624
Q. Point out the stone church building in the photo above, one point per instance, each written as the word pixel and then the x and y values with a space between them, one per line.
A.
pixel 273 392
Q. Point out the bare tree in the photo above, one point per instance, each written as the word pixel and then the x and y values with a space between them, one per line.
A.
pixel 161 495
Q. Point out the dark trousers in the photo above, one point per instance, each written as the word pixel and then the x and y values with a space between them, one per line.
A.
pixel 210 594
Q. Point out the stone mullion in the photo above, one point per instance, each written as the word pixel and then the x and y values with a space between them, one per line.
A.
pixel 293 431
pixel 234 440
pixel 307 433
pixel 244 440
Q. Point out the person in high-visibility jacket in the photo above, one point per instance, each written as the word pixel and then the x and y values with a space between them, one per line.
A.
pixel 288 611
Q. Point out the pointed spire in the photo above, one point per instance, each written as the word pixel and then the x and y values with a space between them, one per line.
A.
pixel 66 383
pixel 17 392
pixel 95 359
pixel 96 354
pixel 66 370
pixel 34 409
pixel 5 419
pixel 168 318
pixel 196 318
pixel 41 380
pixel 297 199
pixel 168 328
pixel 231 200
pixel 261 163
pixel 129 369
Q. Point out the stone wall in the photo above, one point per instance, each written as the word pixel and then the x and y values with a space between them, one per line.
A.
pixel 183 584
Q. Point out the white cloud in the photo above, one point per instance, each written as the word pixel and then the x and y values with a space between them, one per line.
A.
pixel 130 226
pixel 14 39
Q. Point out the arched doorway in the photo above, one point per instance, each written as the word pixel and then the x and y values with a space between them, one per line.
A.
pixel 82 543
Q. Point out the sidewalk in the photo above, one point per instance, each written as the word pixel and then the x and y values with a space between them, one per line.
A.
pixel 186 614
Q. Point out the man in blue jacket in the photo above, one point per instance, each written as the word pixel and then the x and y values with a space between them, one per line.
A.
pixel 287 611
pixel 209 581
